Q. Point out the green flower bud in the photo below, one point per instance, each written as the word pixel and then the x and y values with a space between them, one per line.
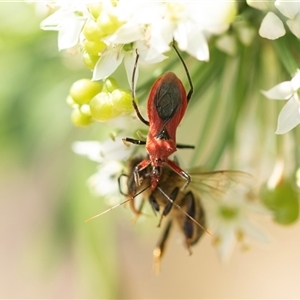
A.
pixel 79 119
pixel 83 90
pixel 122 100
pixel 110 84
pixel 95 9
pixel 93 48
pixel 102 107
pixel 108 23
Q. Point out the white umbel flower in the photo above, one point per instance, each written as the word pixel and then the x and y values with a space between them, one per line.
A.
pixel 289 116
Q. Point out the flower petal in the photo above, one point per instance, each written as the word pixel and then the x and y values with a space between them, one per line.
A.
pixel 288 8
pixel 191 40
pixel 68 35
pixel 161 33
pixel 108 63
pixel 294 26
pixel 227 43
pixel 271 27
pixel 149 54
pixel 91 149
pixel 127 33
pixel 289 116
pixel 227 242
pixel 281 91
pixel 261 5
pixel 52 22
pixel 254 231
pixel 296 81
pixel 129 62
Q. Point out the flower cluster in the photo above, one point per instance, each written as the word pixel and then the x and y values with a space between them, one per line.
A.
pixel 112 31
pixel 272 26
pixel 230 221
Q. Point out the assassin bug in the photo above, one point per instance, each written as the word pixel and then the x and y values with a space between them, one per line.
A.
pixel 167 104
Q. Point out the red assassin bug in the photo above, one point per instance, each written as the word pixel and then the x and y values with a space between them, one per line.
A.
pixel 167 104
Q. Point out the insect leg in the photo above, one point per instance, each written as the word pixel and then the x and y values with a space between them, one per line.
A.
pixel 183 211
pixel 141 166
pixel 119 184
pixel 138 211
pixel 181 172
pixel 133 141
pixel 160 247
pixel 132 192
pixel 153 204
pixel 135 106
pixel 169 205
pixel 181 146
pixel 189 95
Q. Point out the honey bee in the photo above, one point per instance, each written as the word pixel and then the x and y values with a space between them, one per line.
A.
pixel 177 205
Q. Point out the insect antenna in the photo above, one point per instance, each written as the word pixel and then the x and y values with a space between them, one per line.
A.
pixel 183 211
pixel 135 106
pixel 119 204
pixel 189 95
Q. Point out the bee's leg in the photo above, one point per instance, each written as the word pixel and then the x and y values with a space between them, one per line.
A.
pixel 160 247
pixel 154 204
pixel 188 225
pixel 169 205
pixel 138 211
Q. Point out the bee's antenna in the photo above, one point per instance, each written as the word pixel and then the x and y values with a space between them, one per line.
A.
pixel 117 205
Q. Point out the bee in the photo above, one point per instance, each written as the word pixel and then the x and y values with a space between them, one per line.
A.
pixel 181 207
pixel 188 211
pixel 174 205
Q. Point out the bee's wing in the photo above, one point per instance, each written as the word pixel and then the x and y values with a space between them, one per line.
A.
pixel 219 181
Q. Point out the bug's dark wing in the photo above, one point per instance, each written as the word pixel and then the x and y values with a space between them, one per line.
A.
pixel 168 99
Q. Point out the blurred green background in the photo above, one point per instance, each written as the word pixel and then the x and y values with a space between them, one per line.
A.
pixel 46 248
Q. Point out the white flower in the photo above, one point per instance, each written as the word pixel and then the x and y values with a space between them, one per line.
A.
pixel 104 183
pixel 103 152
pixel 288 8
pixel 113 56
pixel 291 10
pixel 289 116
pixel 272 27
pixel 112 155
pixel 146 26
pixel 261 5
pixel 68 20
pixel 229 220
pixel 190 24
